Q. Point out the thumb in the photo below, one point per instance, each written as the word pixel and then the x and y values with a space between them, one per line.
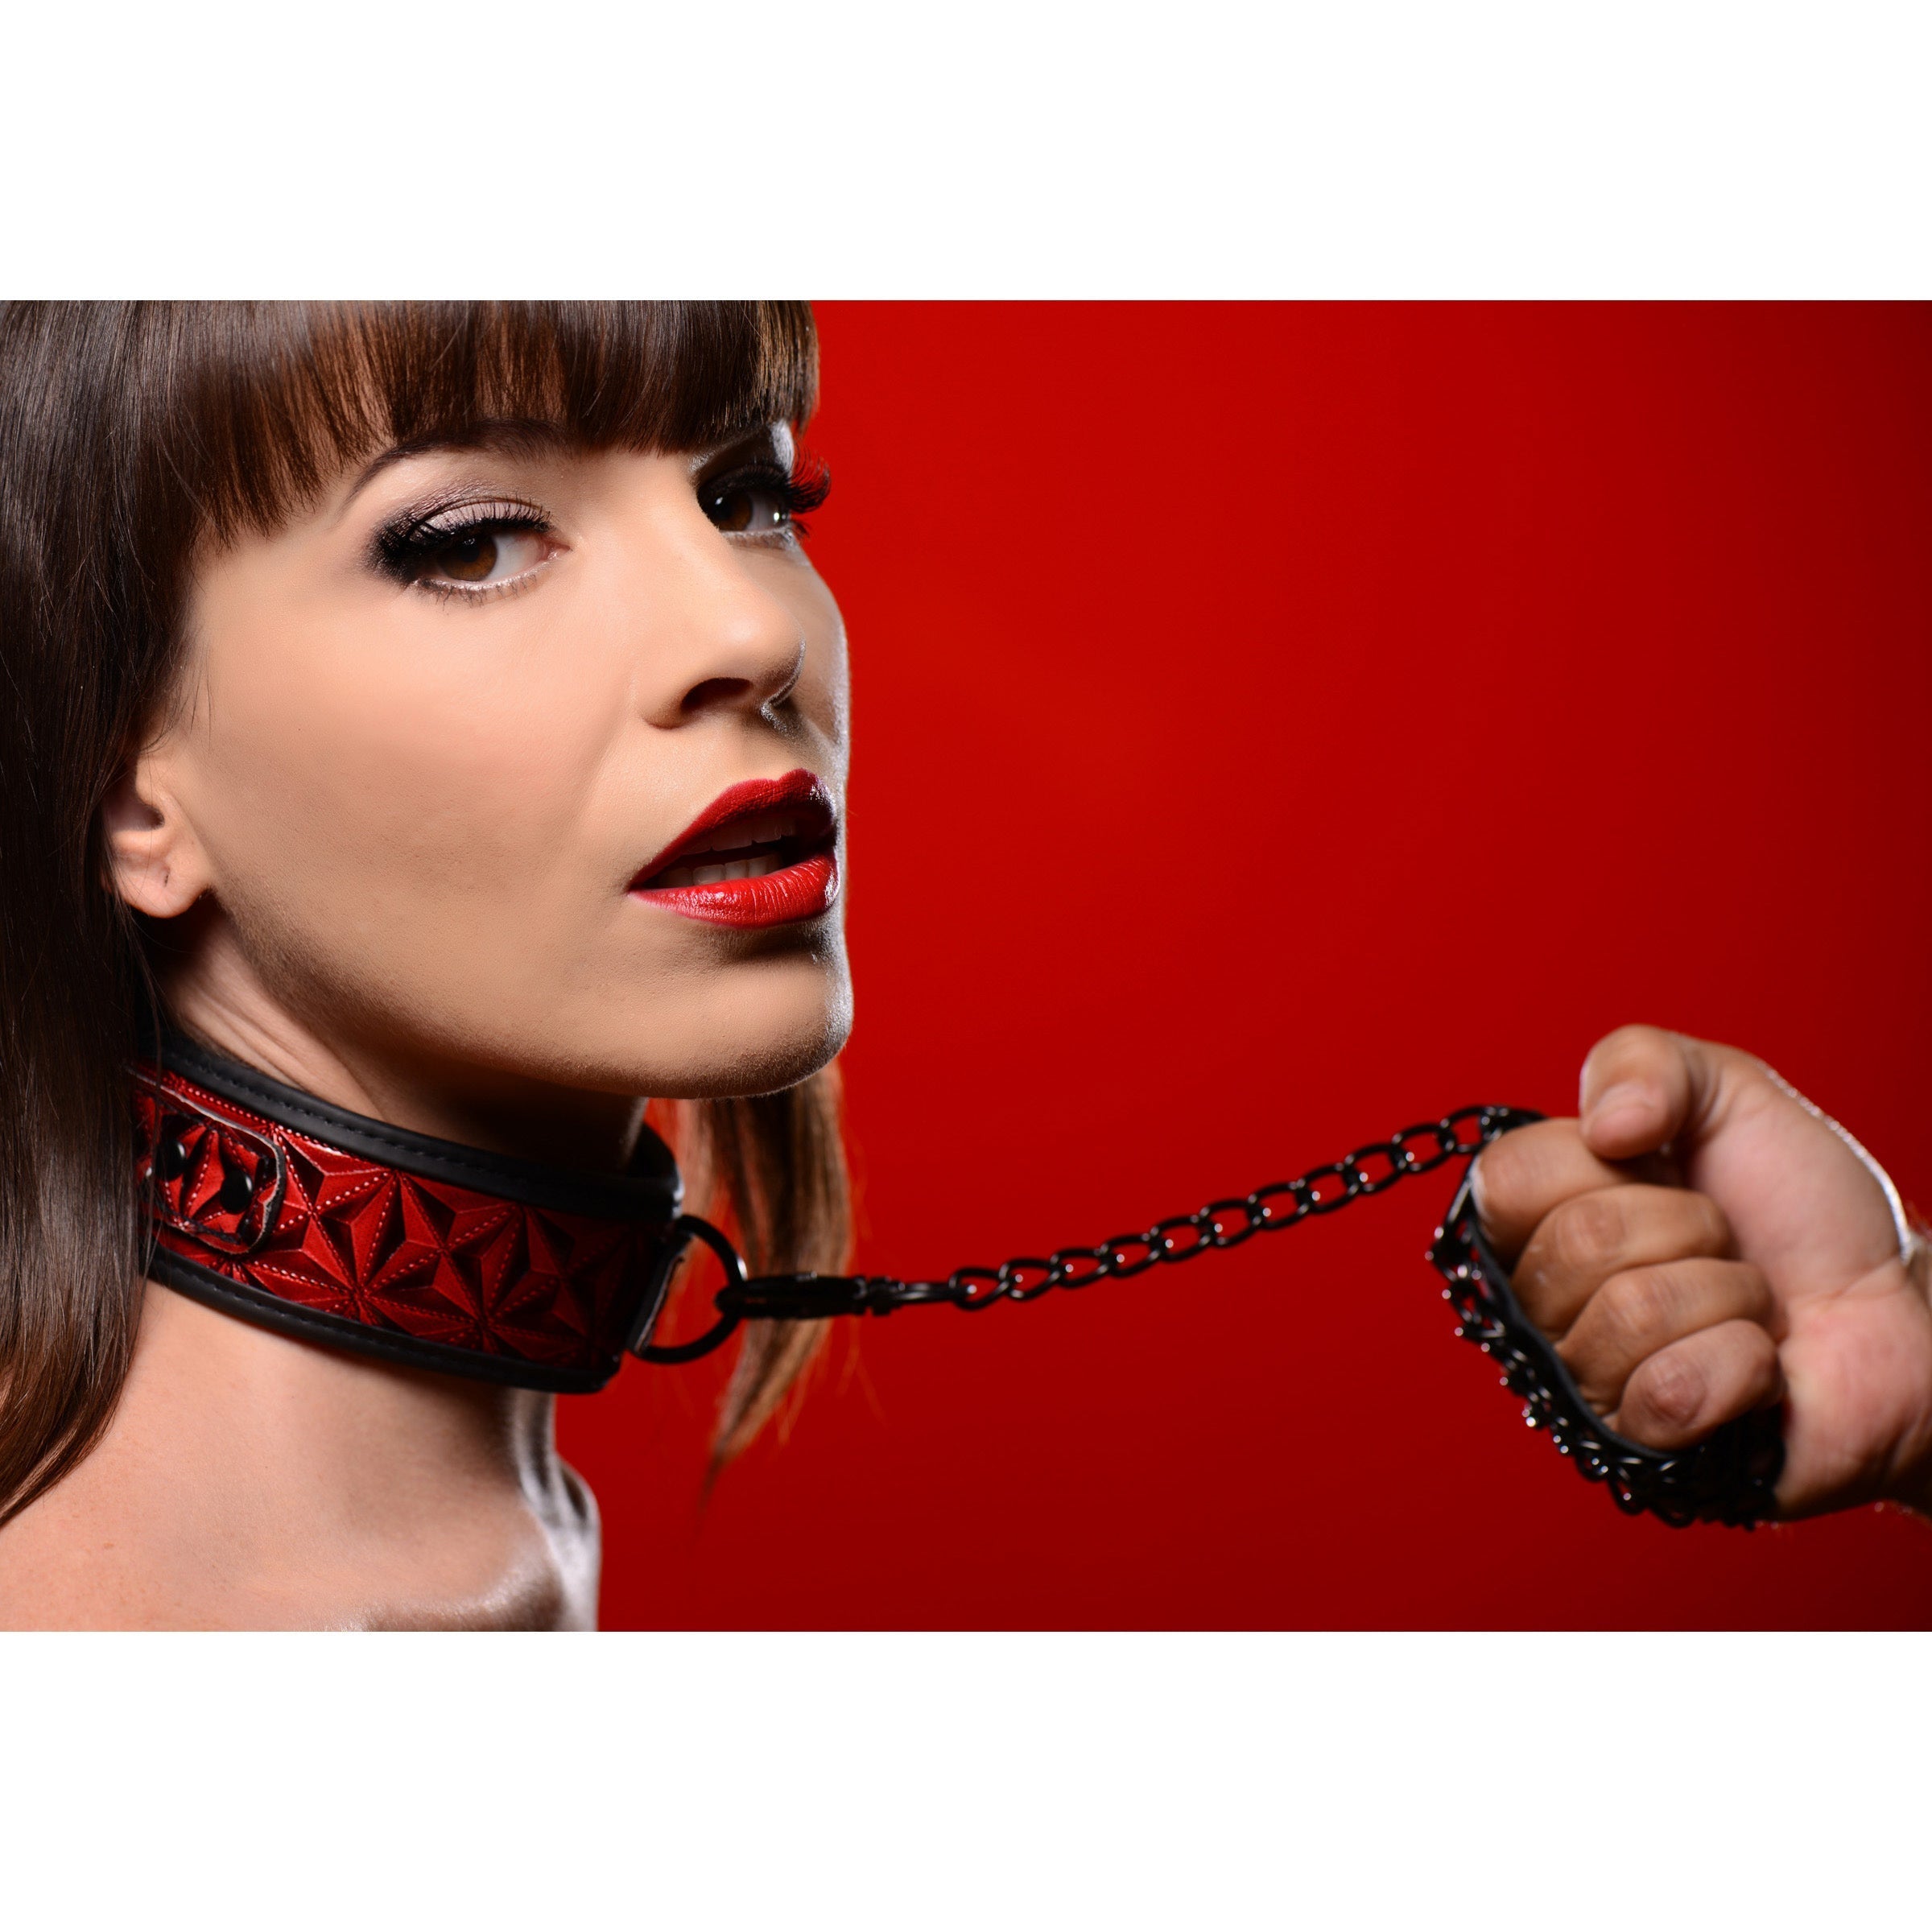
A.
pixel 1643 1087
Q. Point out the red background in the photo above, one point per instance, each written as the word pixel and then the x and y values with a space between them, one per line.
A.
pixel 1274 725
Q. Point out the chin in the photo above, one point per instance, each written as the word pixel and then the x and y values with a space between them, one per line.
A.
pixel 750 1035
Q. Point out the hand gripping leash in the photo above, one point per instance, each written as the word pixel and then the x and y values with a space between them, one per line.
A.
pixel 1728 1478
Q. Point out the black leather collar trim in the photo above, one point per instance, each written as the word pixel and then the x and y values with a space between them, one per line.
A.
pixel 650 1191
pixel 387 1345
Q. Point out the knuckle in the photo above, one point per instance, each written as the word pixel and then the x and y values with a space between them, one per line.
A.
pixel 1583 1232
pixel 1638 1307
pixel 1670 1388
pixel 1523 1165
pixel 1520 1179
pixel 1499 1175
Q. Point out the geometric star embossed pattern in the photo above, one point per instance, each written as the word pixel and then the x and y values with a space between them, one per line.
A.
pixel 261 1204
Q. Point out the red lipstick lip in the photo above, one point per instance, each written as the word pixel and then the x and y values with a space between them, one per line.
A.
pixel 801 889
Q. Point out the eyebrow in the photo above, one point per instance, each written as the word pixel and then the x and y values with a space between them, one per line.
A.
pixel 517 436
pixel 503 437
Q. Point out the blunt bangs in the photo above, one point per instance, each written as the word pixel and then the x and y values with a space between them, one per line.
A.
pixel 271 400
pixel 133 435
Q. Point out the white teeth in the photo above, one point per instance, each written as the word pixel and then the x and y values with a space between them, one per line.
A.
pixel 767 829
pixel 712 875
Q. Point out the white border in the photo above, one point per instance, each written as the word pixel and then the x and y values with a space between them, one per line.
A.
pixel 1380 148
pixel 1572 1781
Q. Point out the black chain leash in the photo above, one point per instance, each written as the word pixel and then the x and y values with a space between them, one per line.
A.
pixel 1728 1478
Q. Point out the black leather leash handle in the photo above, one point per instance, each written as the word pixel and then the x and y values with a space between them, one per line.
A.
pixel 1727 1478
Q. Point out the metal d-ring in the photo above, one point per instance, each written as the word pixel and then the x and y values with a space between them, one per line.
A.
pixel 692 1228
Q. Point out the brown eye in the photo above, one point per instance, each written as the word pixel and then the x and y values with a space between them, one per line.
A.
pixel 745 507
pixel 468 560
pixel 468 547
pixel 482 558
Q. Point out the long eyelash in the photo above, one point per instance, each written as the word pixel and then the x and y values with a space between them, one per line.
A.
pixel 801 489
pixel 807 487
pixel 401 547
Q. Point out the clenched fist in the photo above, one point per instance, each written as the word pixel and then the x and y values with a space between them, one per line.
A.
pixel 1703 1241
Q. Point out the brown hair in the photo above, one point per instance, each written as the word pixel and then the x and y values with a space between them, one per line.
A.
pixel 130 435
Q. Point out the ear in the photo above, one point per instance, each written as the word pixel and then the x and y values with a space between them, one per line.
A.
pixel 156 862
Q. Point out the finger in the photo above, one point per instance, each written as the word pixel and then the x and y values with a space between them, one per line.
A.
pixel 1584 1240
pixel 1638 1314
pixel 1519 1178
pixel 1684 1392
pixel 1642 1087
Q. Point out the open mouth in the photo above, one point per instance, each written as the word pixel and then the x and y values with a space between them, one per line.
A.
pixel 762 853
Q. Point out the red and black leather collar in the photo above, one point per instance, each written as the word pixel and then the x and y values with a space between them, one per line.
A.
pixel 269 1204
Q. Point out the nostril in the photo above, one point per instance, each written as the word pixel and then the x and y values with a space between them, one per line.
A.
pixel 716 691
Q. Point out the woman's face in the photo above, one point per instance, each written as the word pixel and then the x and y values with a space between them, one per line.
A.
pixel 441 745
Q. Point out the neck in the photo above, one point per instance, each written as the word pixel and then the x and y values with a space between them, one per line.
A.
pixel 215 994
pixel 358 1489
pixel 251 1481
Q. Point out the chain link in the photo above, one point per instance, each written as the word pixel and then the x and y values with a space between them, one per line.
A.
pixel 1220 1224
pixel 1729 1478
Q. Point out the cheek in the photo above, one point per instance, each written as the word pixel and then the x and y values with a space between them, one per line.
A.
pixel 398 783
pixel 823 693
pixel 425 820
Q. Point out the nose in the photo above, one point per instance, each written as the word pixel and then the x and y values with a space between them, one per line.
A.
pixel 720 640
